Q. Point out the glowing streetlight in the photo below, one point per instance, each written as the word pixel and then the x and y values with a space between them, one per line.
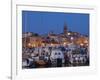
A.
pixel 29 44
pixel 72 38
pixel 85 41
pixel 52 44
pixel 64 43
pixel 81 44
pixel 43 44
pixel 69 33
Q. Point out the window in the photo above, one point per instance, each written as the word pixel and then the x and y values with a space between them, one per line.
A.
pixel 59 53
pixel 55 53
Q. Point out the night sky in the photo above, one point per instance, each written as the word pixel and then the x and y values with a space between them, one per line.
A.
pixel 44 22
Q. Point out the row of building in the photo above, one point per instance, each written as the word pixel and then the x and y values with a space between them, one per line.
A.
pixel 30 39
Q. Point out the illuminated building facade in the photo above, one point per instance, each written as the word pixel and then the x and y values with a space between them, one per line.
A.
pixel 62 39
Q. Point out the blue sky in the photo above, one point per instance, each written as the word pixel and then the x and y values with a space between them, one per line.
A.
pixel 44 22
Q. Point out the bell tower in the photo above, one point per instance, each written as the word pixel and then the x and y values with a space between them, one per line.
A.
pixel 65 30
